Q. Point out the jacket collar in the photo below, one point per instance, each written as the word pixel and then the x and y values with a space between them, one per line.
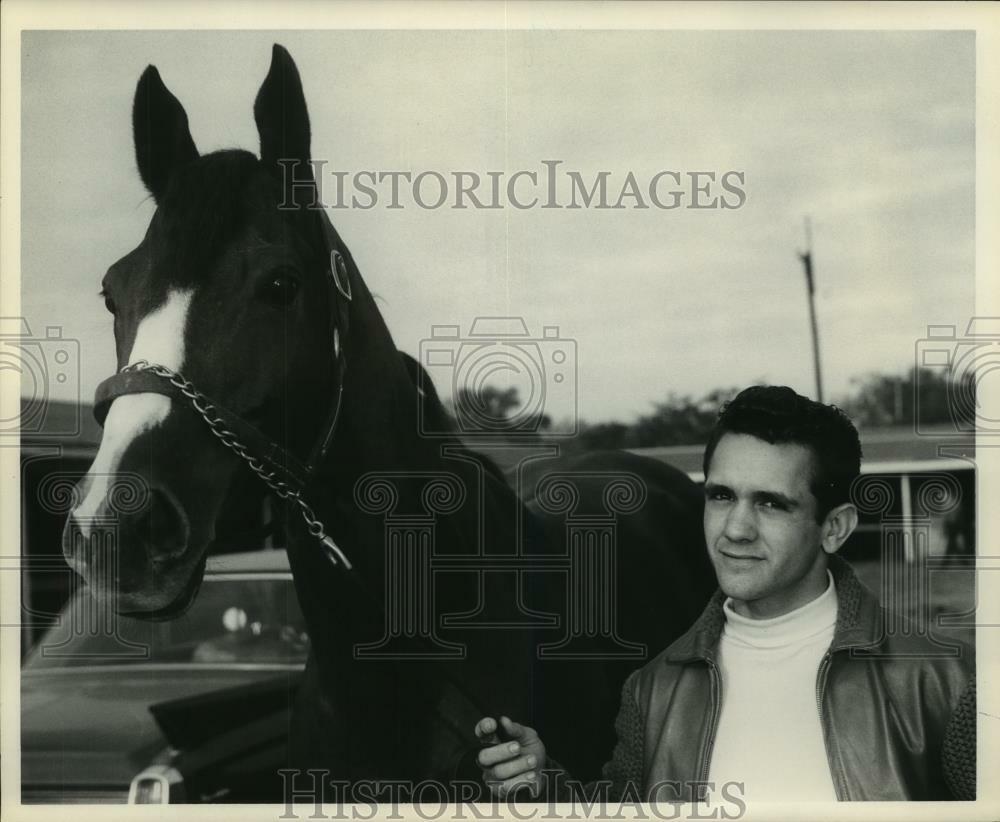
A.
pixel 858 624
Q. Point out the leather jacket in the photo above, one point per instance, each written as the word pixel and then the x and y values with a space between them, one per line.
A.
pixel 897 711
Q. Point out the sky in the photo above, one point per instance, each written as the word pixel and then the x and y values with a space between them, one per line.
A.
pixel 870 134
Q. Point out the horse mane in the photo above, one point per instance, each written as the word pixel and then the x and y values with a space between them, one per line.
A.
pixel 435 412
pixel 433 408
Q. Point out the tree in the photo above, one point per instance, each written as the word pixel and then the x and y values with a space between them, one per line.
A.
pixel 680 420
pixel 934 397
pixel 494 409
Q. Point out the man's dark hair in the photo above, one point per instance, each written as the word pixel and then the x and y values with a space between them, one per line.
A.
pixel 776 414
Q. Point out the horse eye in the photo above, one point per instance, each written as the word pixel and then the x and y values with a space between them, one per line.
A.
pixel 279 288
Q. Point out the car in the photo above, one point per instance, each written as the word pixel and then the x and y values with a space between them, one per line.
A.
pixel 194 709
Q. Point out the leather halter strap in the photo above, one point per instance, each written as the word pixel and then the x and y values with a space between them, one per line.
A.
pixel 294 472
pixel 282 470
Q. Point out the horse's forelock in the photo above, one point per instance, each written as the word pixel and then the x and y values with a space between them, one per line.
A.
pixel 207 205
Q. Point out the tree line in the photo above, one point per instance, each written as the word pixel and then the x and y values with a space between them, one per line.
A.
pixel 874 400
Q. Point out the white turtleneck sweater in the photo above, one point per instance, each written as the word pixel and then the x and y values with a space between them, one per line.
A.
pixel 769 735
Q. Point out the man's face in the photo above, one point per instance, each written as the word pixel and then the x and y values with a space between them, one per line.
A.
pixel 760 525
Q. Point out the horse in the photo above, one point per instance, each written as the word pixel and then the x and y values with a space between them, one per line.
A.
pixel 249 349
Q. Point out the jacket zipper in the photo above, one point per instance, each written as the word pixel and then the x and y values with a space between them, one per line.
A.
pixel 824 666
pixel 715 681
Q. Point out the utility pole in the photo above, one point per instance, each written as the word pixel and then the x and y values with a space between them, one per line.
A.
pixel 806 257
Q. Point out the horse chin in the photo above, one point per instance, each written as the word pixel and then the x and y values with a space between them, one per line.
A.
pixel 173 608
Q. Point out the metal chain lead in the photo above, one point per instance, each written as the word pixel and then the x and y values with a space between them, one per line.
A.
pixel 201 404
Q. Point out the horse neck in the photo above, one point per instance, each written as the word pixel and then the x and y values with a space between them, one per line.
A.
pixel 379 433
pixel 379 419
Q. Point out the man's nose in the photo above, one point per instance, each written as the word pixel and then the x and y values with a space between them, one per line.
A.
pixel 741 524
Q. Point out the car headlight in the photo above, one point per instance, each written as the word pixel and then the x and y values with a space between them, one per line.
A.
pixel 156 785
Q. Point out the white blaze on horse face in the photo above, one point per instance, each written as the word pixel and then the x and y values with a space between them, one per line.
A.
pixel 159 339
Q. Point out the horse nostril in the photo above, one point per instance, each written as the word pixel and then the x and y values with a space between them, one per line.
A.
pixel 163 526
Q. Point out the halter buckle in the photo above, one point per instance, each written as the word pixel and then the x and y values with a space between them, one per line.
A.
pixel 338 269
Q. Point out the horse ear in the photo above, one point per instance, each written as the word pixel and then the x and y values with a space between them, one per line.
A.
pixel 283 121
pixel 160 128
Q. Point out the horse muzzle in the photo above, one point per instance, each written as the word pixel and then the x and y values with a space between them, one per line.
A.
pixel 137 553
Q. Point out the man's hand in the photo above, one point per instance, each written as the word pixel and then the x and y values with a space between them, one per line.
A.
pixel 513 763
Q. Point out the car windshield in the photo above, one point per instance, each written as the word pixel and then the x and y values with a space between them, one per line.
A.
pixel 249 619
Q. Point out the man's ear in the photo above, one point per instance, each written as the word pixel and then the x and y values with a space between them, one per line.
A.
pixel 838 525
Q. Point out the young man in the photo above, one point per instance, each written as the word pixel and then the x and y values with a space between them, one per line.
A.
pixel 787 685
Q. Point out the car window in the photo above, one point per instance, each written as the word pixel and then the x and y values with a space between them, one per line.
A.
pixel 241 621
pixel 943 502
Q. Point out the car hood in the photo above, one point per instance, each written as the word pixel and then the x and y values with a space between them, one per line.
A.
pixel 94 726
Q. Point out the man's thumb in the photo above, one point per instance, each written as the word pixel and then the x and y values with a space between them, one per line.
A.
pixel 486 731
pixel 513 729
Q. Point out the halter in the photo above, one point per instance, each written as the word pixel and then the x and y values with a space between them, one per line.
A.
pixel 284 473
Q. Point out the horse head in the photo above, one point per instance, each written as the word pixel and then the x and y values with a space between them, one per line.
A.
pixel 223 315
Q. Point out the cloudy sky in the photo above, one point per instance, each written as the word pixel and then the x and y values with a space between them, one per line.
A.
pixel 871 134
